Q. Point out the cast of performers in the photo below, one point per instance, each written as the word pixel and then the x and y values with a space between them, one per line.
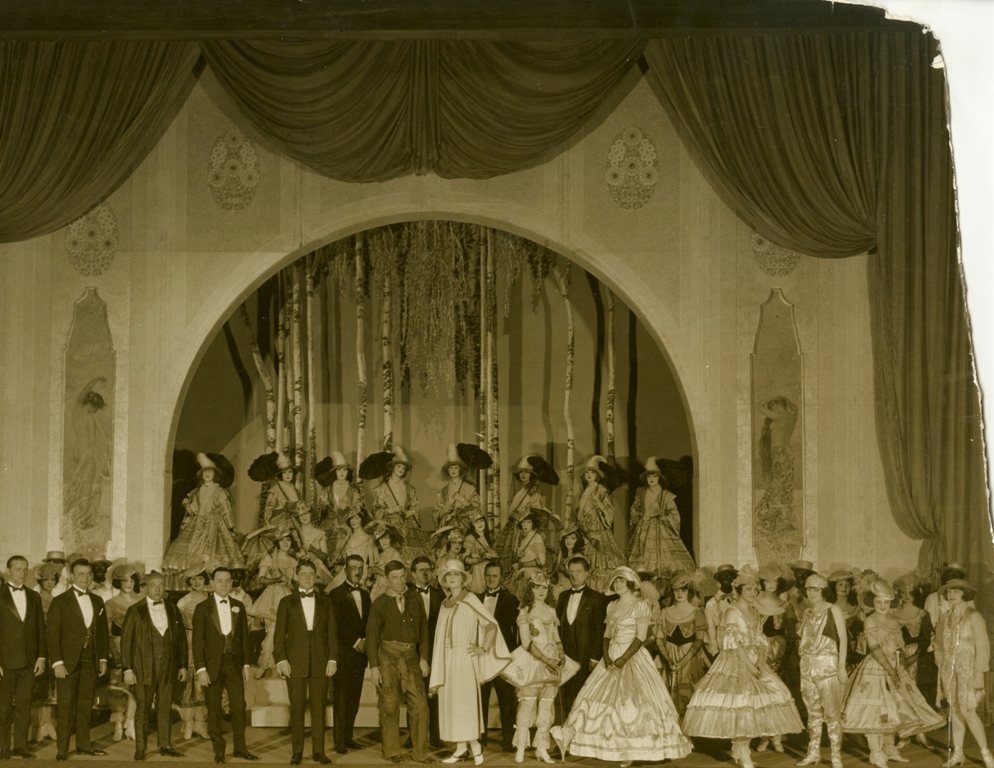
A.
pixel 882 700
pixel 306 651
pixel 469 650
pixel 740 697
pixel 962 653
pixel 624 712
pixel 654 523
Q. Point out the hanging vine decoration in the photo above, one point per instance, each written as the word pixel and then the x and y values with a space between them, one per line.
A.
pixel 493 442
pixel 360 287
pixel 516 253
pixel 482 399
pixel 312 441
pixel 563 281
pixel 296 346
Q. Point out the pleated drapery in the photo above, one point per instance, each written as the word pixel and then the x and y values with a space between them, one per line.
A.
pixel 374 110
pixel 76 119
pixel 835 145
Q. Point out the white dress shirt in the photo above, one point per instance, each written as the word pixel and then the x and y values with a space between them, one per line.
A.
pixel 85 605
pixel 224 613
pixel 158 615
pixel 356 596
pixel 20 599
pixel 308 605
pixel 572 606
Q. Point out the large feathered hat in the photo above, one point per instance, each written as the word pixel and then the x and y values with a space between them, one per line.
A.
pixel 324 470
pixel 539 467
pixel 225 472
pixel 263 467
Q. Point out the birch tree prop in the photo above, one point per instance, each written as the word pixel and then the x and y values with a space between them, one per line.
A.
pixel 312 440
pixel 360 347
pixel 384 260
pixel 563 280
pixel 482 395
pixel 281 436
pixel 609 403
pixel 493 434
pixel 265 376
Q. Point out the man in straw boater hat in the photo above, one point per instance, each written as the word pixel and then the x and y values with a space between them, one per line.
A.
pixel 58 557
pixel 154 657
pixel 22 655
pixel 78 651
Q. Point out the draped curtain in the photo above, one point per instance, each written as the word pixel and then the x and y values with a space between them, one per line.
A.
pixel 76 119
pixel 374 110
pixel 834 145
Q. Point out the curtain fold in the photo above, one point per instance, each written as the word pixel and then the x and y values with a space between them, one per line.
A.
pixel 76 119
pixel 834 145
pixel 374 110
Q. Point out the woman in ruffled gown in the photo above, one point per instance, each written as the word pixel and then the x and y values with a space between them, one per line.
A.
pixel 654 544
pixel 623 711
pixel 962 653
pixel 681 629
pixel 208 528
pixel 776 625
pixel 536 669
pixel 882 701
pixel 916 631
pixel 395 503
pixel 740 697
pixel 276 573
pixel 595 517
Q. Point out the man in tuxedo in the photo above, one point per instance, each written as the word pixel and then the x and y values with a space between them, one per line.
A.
pixel 22 655
pixel 306 651
pixel 351 608
pixel 431 598
pixel 220 657
pixel 77 648
pixel 153 656
pixel 581 627
pixel 504 606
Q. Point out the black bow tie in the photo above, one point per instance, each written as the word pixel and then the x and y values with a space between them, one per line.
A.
pixel 16 589
pixel 306 594
pixel 423 590
pixel 353 587
pixel 79 592
pixel 493 594
pixel 576 591
pixel 156 602
pixel 224 601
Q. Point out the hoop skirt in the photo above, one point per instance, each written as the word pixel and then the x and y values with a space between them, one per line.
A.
pixel 873 705
pixel 731 701
pixel 624 714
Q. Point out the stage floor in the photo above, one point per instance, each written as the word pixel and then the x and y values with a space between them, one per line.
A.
pixel 272 745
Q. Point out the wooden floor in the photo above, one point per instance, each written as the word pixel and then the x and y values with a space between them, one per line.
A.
pixel 272 745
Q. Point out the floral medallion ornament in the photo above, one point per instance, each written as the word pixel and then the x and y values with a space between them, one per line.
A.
pixel 773 259
pixel 233 171
pixel 632 171
pixel 92 241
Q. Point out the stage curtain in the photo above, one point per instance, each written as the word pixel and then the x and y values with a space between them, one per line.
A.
pixel 374 110
pixel 835 145
pixel 76 119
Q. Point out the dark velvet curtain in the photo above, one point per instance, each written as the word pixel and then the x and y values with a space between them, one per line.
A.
pixel 835 145
pixel 371 111
pixel 76 119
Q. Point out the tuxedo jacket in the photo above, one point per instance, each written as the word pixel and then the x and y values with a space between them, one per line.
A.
pixel 66 630
pixel 350 625
pixel 136 641
pixel 307 652
pixel 582 640
pixel 22 643
pixel 435 598
pixel 506 613
pixel 208 640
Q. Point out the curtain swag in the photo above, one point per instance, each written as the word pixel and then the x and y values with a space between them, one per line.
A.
pixel 835 145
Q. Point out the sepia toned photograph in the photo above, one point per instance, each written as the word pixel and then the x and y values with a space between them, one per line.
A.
pixel 583 382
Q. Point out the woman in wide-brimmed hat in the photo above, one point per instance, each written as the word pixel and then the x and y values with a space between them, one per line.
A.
pixel 530 557
pixel 624 712
pixel 209 526
pixel 478 550
pixel 395 503
pixel 571 542
pixel 281 491
pixel 530 471
pixel 595 517
pixel 962 653
pixel 389 543
pixel 458 502
pixel 338 497
pixel 741 698
pixel 681 630
pixel 469 650
pixel 654 543
pixel 882 701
